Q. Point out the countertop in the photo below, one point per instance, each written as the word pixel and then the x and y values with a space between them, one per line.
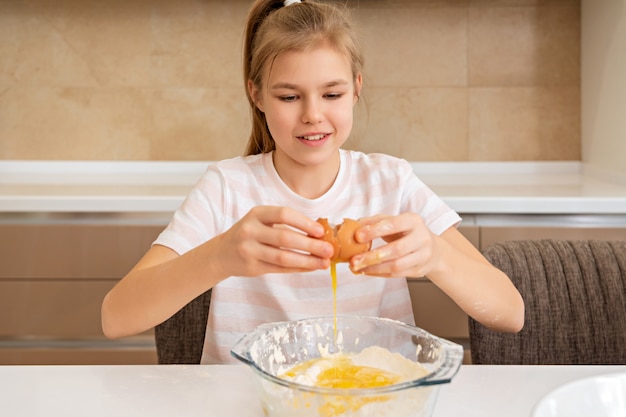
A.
pixel 229 390
pixel 160 187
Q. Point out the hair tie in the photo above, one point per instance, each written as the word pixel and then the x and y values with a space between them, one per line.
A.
pixel 290 2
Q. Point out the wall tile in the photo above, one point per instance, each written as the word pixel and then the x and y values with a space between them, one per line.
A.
pixel 422 124
pixel 446 80
pixel 32 52
pixel 524 46
pixel 73 123
pixel 506 3
pixel 209 124
pixel 404 4
pixel 415 46
pixel 524 123
pixel 198 45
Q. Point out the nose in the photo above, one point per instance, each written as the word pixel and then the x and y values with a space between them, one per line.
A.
pixel 312 111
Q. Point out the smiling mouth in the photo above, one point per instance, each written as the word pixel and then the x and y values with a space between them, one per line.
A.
pixel 313 138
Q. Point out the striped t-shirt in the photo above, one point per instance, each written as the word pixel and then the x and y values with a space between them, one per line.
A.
pixel 367 184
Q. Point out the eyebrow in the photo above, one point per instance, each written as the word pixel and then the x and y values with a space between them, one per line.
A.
pixel 289 86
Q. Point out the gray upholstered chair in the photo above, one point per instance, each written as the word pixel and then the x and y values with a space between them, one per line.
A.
pixel 179 339
pixel 575 296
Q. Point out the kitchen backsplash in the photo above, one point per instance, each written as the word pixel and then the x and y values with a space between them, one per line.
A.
pixel 446 80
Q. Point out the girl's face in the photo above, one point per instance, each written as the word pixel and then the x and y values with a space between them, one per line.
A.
pixel 308 99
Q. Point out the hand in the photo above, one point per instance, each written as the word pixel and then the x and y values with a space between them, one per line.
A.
pixel 272 240
pixel 410 251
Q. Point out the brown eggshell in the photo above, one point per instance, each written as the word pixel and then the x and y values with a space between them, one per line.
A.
pixel 329 236
pixel 342 239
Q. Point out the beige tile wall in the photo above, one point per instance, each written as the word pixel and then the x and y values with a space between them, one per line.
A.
pixel 447 80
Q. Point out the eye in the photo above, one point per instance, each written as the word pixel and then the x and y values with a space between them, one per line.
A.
pixel 333 96
pixel 288 98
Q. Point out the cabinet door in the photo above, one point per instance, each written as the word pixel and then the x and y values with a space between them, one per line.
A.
pixel 72 251
pixel 471 233
pixel 435 312
pixel 52 308
pixel 52 282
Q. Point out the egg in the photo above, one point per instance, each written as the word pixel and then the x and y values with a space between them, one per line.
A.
pixel 342 238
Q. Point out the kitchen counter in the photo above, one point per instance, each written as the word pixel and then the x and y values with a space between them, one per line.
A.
pixel 160 187
pixel 229 390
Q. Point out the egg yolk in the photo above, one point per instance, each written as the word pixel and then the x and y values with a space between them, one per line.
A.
pixel 345 375
pixel 341 372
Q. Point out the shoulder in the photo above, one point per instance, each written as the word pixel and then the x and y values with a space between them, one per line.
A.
pixel 378 164
pixel 238 164
pixel 233 168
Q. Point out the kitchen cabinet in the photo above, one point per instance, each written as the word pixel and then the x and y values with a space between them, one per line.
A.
pixel 53 278
pixel 56 270
pixel 55 273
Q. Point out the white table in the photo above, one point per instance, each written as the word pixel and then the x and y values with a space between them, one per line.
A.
pixel 229 390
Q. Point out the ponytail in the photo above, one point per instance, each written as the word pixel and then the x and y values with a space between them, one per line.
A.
pixel 260 140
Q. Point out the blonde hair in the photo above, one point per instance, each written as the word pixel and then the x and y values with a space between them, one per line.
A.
pixel 272 29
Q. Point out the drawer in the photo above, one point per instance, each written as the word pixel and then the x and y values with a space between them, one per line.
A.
pixel 435 312
pixel 72 250
pixel 471 233
pixel 58 322
pixel 58 309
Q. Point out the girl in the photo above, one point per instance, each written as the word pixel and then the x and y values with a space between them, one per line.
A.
pixel 248 231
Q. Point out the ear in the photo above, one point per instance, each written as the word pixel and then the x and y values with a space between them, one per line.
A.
pixel 255 95
pixel 358 85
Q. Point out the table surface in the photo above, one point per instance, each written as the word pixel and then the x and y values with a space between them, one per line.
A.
pixel 229 390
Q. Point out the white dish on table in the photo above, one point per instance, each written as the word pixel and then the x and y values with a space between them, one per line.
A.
pixel 598 396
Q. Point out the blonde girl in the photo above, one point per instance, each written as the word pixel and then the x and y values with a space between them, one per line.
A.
pixel 247 230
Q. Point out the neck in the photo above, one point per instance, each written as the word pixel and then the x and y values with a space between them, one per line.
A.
pixel 308 181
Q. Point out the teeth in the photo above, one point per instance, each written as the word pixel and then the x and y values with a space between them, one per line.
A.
pixel 314 137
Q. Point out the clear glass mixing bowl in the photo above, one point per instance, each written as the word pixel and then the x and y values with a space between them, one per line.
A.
pixel 273 347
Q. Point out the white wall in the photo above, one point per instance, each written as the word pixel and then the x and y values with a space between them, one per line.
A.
pixel 603 71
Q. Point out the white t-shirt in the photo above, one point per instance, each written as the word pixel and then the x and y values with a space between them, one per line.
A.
pixel 367 184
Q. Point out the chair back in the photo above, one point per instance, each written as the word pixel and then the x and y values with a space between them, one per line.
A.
pixel 575 297
pixel 180 339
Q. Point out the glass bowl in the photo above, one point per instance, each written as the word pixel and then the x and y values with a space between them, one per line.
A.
pixel 273 347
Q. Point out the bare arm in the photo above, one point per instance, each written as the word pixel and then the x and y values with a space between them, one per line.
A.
pixel 159 285
pixel 162 282
pixel 450 261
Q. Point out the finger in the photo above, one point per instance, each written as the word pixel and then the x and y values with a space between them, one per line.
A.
pixel 370 258
pixel 286 259
pixel 395 250
pixel 274 215
pixel 287 238
pixel 271 268
pixel 365 221
pixel 398 267
pixel 383 227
